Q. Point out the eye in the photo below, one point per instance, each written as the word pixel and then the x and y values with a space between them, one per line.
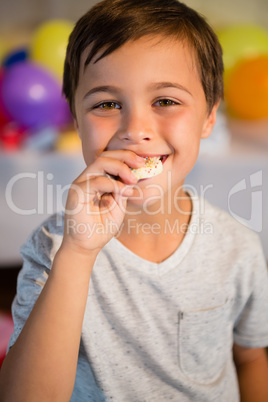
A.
pixel 107 106
pixel 165 103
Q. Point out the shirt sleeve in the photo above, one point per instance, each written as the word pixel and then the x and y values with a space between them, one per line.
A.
pixel 37 254
pixel 251 329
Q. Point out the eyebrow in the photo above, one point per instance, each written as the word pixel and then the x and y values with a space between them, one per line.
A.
pixel 102 88
pixel 154 86
pixel 162 85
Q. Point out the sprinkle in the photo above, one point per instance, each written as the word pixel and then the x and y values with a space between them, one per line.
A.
pixel 153 167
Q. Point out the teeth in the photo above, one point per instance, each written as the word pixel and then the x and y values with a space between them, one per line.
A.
pixel 153 167
pixel 152 159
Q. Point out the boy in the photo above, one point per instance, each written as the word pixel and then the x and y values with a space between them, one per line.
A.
pixel 137 303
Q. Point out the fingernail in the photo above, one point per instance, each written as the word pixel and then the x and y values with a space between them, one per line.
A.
pixel 140 158
pixel 133 177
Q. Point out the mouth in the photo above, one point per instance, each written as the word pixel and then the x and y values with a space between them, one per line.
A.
pixel 162 158
pixel 153 166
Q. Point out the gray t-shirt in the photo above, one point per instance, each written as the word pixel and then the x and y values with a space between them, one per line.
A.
pixel 160 332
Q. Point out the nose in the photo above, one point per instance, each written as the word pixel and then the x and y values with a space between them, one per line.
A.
pixel 135 128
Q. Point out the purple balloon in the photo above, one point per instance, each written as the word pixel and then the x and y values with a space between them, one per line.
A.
pixel 33 97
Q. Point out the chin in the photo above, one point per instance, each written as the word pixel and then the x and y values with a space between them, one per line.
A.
pixel 148 199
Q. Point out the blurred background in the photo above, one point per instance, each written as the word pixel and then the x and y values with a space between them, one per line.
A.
pixel 40 153
pixel 27 13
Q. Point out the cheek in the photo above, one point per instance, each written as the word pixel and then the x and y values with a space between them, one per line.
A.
pixel 88 150
pixel 184 135
pixel 177 123
pixel 184 130
pixel 95 137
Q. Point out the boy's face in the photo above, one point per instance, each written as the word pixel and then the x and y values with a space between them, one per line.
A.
pixel 146 97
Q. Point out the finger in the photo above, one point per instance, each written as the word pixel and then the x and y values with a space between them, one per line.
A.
pixel 106 193
pixel 110 166
pixel 130 158
pixel 99 185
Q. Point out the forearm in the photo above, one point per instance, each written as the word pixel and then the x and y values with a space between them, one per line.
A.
pixel 41 366
pixel 253 380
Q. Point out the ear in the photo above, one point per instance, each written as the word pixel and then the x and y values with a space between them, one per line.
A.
pixel 210 121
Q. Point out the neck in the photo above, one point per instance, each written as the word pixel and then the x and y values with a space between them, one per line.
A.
pixel 155 232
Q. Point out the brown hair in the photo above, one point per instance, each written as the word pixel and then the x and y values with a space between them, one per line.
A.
pixel 111 23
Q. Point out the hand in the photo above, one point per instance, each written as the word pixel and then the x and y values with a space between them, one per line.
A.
pixel 96 201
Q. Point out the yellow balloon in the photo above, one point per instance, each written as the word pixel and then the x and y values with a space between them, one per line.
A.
pixel 241 41
pixel 69 142
pixel 3 49
pixel 49 44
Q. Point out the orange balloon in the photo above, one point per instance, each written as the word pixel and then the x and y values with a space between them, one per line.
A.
pixel 246 90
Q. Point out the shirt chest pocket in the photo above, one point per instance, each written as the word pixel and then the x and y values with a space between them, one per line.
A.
pixel 204 342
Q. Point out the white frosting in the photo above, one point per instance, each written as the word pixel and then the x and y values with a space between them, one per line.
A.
pixel 153 167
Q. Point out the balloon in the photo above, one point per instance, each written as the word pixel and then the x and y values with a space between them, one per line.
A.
pixel 11 137
pixel 4 116
pixel 2 49
pixel 246 92
pixel 49 45
pixel 33 98
pixel 242 41
pixel 69 142
pixel 16 56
